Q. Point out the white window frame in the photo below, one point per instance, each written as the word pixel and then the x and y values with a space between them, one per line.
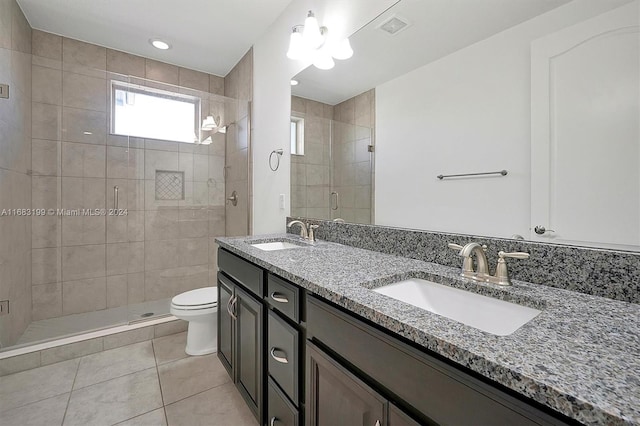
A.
pixel 297 145
pixel 150 91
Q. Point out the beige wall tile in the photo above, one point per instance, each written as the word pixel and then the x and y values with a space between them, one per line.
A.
pixel 46 231
pixel 116 229
pixel 125 63
pixel 46 121
pixel 171 327
pixel 162 254
pixel 162 72
pixel 45 192
pixel 135 225
pixel 125 258
pixel 45 265
pixel 46 62
pixel 86 126
pixel 216 85
pixel 45 157
pixel 83 160
pixel 19 363
pixel 20 31
pixel 116 291
pixel 85 295
pixel 84 92
pixel 135 287
pixel 83 230
pixel 83 193
pixel 193 79
pixel 70 351
pixel 193 251
pixel 46 301
pixel 6 15
pixel 162 224
pixel 46 45
pixel 84 54
pixel 46 85
pixel 82 262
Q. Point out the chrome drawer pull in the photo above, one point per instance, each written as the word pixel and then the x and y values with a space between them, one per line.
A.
pixel 273 421
pixel 279 297
pixel 281 359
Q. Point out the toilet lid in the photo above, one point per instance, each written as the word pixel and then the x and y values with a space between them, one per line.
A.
pixel 197 297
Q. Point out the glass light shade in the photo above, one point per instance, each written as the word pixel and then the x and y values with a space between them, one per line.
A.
pixel 297 46
pixel 311 34
pixel 342 50
pixel 209 123
pixel 323 60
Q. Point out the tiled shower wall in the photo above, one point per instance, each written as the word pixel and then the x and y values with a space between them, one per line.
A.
pixel 310 179
pixel 15 162
pixel 160 248
pixel 354 121
pixel 238 84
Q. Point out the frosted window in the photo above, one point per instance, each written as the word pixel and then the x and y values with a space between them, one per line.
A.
pixel 297 136
pixel 154 114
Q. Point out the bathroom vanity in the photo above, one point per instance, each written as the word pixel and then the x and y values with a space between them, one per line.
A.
pixel 308 341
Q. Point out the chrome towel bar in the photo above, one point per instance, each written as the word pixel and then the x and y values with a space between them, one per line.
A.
pixel 501 172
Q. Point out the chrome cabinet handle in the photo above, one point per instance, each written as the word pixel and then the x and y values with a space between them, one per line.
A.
pixel 279 297
pixel 280 359
pixel 229 306
pixel 234 314
pixel 273 421
pixel 542 230
pixel 377 422
pixel 115 197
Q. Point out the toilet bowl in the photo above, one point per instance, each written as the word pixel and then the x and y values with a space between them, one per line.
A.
pixel 199 308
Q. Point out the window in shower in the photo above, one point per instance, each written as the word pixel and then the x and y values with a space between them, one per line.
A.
pixel 154 114
pixel 297 135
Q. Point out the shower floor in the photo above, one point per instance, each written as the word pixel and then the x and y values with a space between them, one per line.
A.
pixel 56 328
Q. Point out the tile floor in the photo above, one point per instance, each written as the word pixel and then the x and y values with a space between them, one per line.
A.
pixel 149 383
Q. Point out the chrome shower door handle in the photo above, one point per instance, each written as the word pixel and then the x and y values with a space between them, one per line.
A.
pixel 337 198
pixel 115 197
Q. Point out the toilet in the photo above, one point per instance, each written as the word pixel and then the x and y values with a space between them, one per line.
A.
pixel 199 308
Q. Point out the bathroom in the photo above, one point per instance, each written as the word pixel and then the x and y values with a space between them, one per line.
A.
pixel 86 287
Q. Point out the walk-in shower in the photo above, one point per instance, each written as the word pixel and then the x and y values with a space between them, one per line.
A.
pixel 127 193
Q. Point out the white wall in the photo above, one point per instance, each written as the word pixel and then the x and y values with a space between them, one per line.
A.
pixel 467 112
pixel 272 72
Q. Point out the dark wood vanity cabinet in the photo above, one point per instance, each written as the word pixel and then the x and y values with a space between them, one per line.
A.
pixel 241 329
pixel 298 359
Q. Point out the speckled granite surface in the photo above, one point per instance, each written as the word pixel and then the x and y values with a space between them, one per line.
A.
pixel 600 272
pixel 580 356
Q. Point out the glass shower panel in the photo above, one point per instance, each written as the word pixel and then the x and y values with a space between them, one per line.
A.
pixel 351 173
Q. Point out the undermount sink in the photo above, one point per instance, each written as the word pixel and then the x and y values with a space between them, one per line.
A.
pixel 482 312
pixel 276 245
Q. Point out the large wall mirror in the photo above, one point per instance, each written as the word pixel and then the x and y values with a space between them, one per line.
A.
pixel 546 90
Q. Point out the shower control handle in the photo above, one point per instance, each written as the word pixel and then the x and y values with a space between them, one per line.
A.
pixel 233 198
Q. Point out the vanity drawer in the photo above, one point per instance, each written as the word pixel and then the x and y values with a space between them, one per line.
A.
pixel 280 411
pixel 242 271
pixel 284 297
pixel 283 349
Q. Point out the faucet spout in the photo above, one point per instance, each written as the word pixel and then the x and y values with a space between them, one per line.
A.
pixel 482 265
pixel 303 228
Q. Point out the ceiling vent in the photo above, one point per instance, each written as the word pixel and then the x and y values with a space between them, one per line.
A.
pixel 394 25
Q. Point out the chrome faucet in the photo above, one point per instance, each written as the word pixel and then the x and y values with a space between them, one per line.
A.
pixel 303 228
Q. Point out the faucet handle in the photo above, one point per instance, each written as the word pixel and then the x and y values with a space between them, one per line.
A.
pixel 514 255
pixel 502 275
pixel 455 246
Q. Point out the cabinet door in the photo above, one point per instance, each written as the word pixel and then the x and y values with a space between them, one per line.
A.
pixel 337 397
pixel 225 324
pixel 397 417
pixel 249 349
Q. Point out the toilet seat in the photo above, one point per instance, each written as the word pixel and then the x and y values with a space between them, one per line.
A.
pixel 200 298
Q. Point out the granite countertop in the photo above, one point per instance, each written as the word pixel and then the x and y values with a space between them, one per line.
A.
pixel 580 356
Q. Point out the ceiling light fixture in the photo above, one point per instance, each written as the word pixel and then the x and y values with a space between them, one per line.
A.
pixel 310 42
pixel 159 44
pixel 294 82
pixel 210 123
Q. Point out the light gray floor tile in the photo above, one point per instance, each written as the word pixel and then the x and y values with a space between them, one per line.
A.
pixel 48 412
pixel 153 418
pixel 116 400
pixel 220 406
pixel 186 377
pixel 170 348
pixel 114 363
pixel 34 385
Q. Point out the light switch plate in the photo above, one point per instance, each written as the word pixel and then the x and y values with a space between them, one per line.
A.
pixel 4 307
pixel 4 91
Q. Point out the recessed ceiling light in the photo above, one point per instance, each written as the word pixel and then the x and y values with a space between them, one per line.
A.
pixel 159 44
pixel 294 82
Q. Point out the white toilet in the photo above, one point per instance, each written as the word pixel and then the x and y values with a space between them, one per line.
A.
pixel 199 308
